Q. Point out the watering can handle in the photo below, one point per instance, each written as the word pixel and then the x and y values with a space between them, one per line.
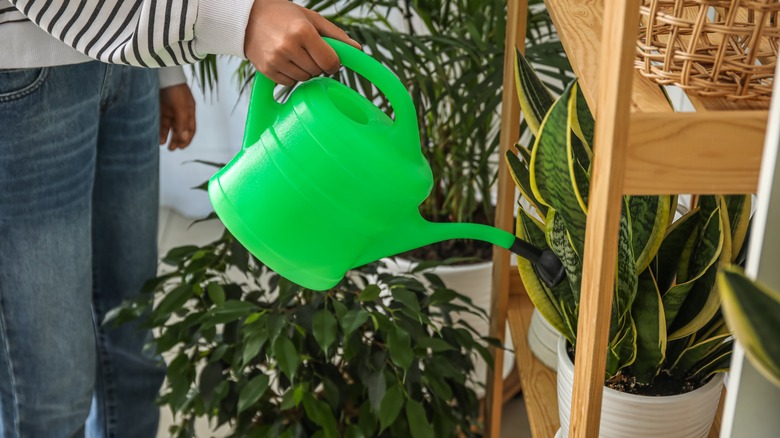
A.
pixel 262 105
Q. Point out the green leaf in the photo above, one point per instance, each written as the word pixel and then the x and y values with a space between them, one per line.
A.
pixel 520 173
pixel 400 348
pixel 253 342
pixel 585 126
pixel 752 311
pixel 690 305
pixel 406 297
pixel 353 320
pixel 739 207
pixel 174 300
pixel 535 99
pixel 648 315
pixel 370 293
pixel 418 422
pixel 627 278
pixel 210 377
pixel 671 249
pixel 320 413
pixel 377 387
pixel 325 329
pixel 230 311
pixel 692 356
pixel 391 406
pixel 649 216
pixel 216 293
pixel 552 180
pixel 286 356
pixel 437 345
pixel 252 392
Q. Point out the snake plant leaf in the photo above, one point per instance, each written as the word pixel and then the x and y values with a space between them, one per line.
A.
pixel 649 216
pixel 752 310
pixel 581 181
pixel 668 256
pixel 627 279
pixel 696 353
pixel 561 245
pixel 542 297
pixel 519 171
pixel 621 351
pixel 551 179
pixel 739 207
pixel 648 315
pixel 702 301
pixel 535 99
pixel 580 118
pixel 714 363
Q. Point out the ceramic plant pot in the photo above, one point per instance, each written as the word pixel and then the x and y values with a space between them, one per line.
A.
pixel 688 415
pixel 543 340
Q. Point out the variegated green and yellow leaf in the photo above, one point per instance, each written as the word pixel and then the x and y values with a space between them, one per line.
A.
pixel 739 207
pixel 621 351
pixel 702 301
pixel 626 282
pixel 648 315
pixel 519 172
pixel 649 216
pixel 585 125
pixel 752 310
pixel 696 353
pixel 671 249
pixel 551 179
pixel 535 99
pixel 580 142
pixel 716 362
pixel 561 245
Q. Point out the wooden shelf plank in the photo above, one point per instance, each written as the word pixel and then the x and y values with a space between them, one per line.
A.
pixel 703 152
pixel 579 26
pixel 538 381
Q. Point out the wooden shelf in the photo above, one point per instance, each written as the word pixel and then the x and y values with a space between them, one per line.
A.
pixel 538 381
pixel 668 152
pixel 579 25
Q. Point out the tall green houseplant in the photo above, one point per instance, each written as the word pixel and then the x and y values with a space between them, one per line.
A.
pixel 666 327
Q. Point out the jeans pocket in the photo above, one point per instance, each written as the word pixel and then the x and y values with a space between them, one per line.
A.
pixel 17 83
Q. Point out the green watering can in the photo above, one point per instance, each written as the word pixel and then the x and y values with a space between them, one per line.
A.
pixel 327 182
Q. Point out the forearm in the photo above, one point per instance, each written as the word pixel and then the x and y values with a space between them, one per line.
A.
pixel 146 33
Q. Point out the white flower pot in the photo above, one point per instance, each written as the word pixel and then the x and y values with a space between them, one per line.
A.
pixel 473 281
pixel 543 340
pixel 688 415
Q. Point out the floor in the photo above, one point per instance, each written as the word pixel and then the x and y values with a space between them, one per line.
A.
pixel 175 230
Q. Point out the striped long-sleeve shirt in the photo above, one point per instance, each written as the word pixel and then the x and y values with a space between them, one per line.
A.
pixel 147 33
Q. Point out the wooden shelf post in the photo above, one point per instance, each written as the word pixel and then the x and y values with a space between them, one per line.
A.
pixel 517 11
pixel 621 18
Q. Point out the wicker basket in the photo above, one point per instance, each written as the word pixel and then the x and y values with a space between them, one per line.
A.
pixel 714 48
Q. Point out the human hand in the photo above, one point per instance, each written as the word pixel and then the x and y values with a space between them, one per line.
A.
pixel 177 115
pixel 284 41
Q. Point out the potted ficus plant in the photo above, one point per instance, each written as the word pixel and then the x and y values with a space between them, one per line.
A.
pixel 668 341
pixel 250 350
pixel 450 57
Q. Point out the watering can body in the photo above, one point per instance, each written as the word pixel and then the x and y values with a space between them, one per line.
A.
pixel 327 181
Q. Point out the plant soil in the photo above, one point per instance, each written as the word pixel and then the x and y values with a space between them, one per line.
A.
pixel 663 384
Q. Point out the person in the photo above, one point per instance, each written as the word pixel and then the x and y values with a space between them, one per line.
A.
pixel 79 128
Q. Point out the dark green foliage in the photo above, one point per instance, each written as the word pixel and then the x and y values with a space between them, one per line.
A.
pixel 361 360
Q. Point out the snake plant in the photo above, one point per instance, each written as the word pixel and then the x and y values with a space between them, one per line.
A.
pixel 665 317
pixel 753 312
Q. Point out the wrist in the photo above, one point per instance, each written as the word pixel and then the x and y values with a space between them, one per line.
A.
pixel 220 27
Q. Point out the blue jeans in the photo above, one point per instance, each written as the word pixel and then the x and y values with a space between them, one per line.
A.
pixel 78 234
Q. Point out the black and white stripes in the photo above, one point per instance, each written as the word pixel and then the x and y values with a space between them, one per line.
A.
pixel 147 33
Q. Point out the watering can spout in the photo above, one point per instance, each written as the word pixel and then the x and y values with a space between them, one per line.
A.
pixel 417 232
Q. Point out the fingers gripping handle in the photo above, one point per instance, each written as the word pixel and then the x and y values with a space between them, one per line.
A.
pixel 263 107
